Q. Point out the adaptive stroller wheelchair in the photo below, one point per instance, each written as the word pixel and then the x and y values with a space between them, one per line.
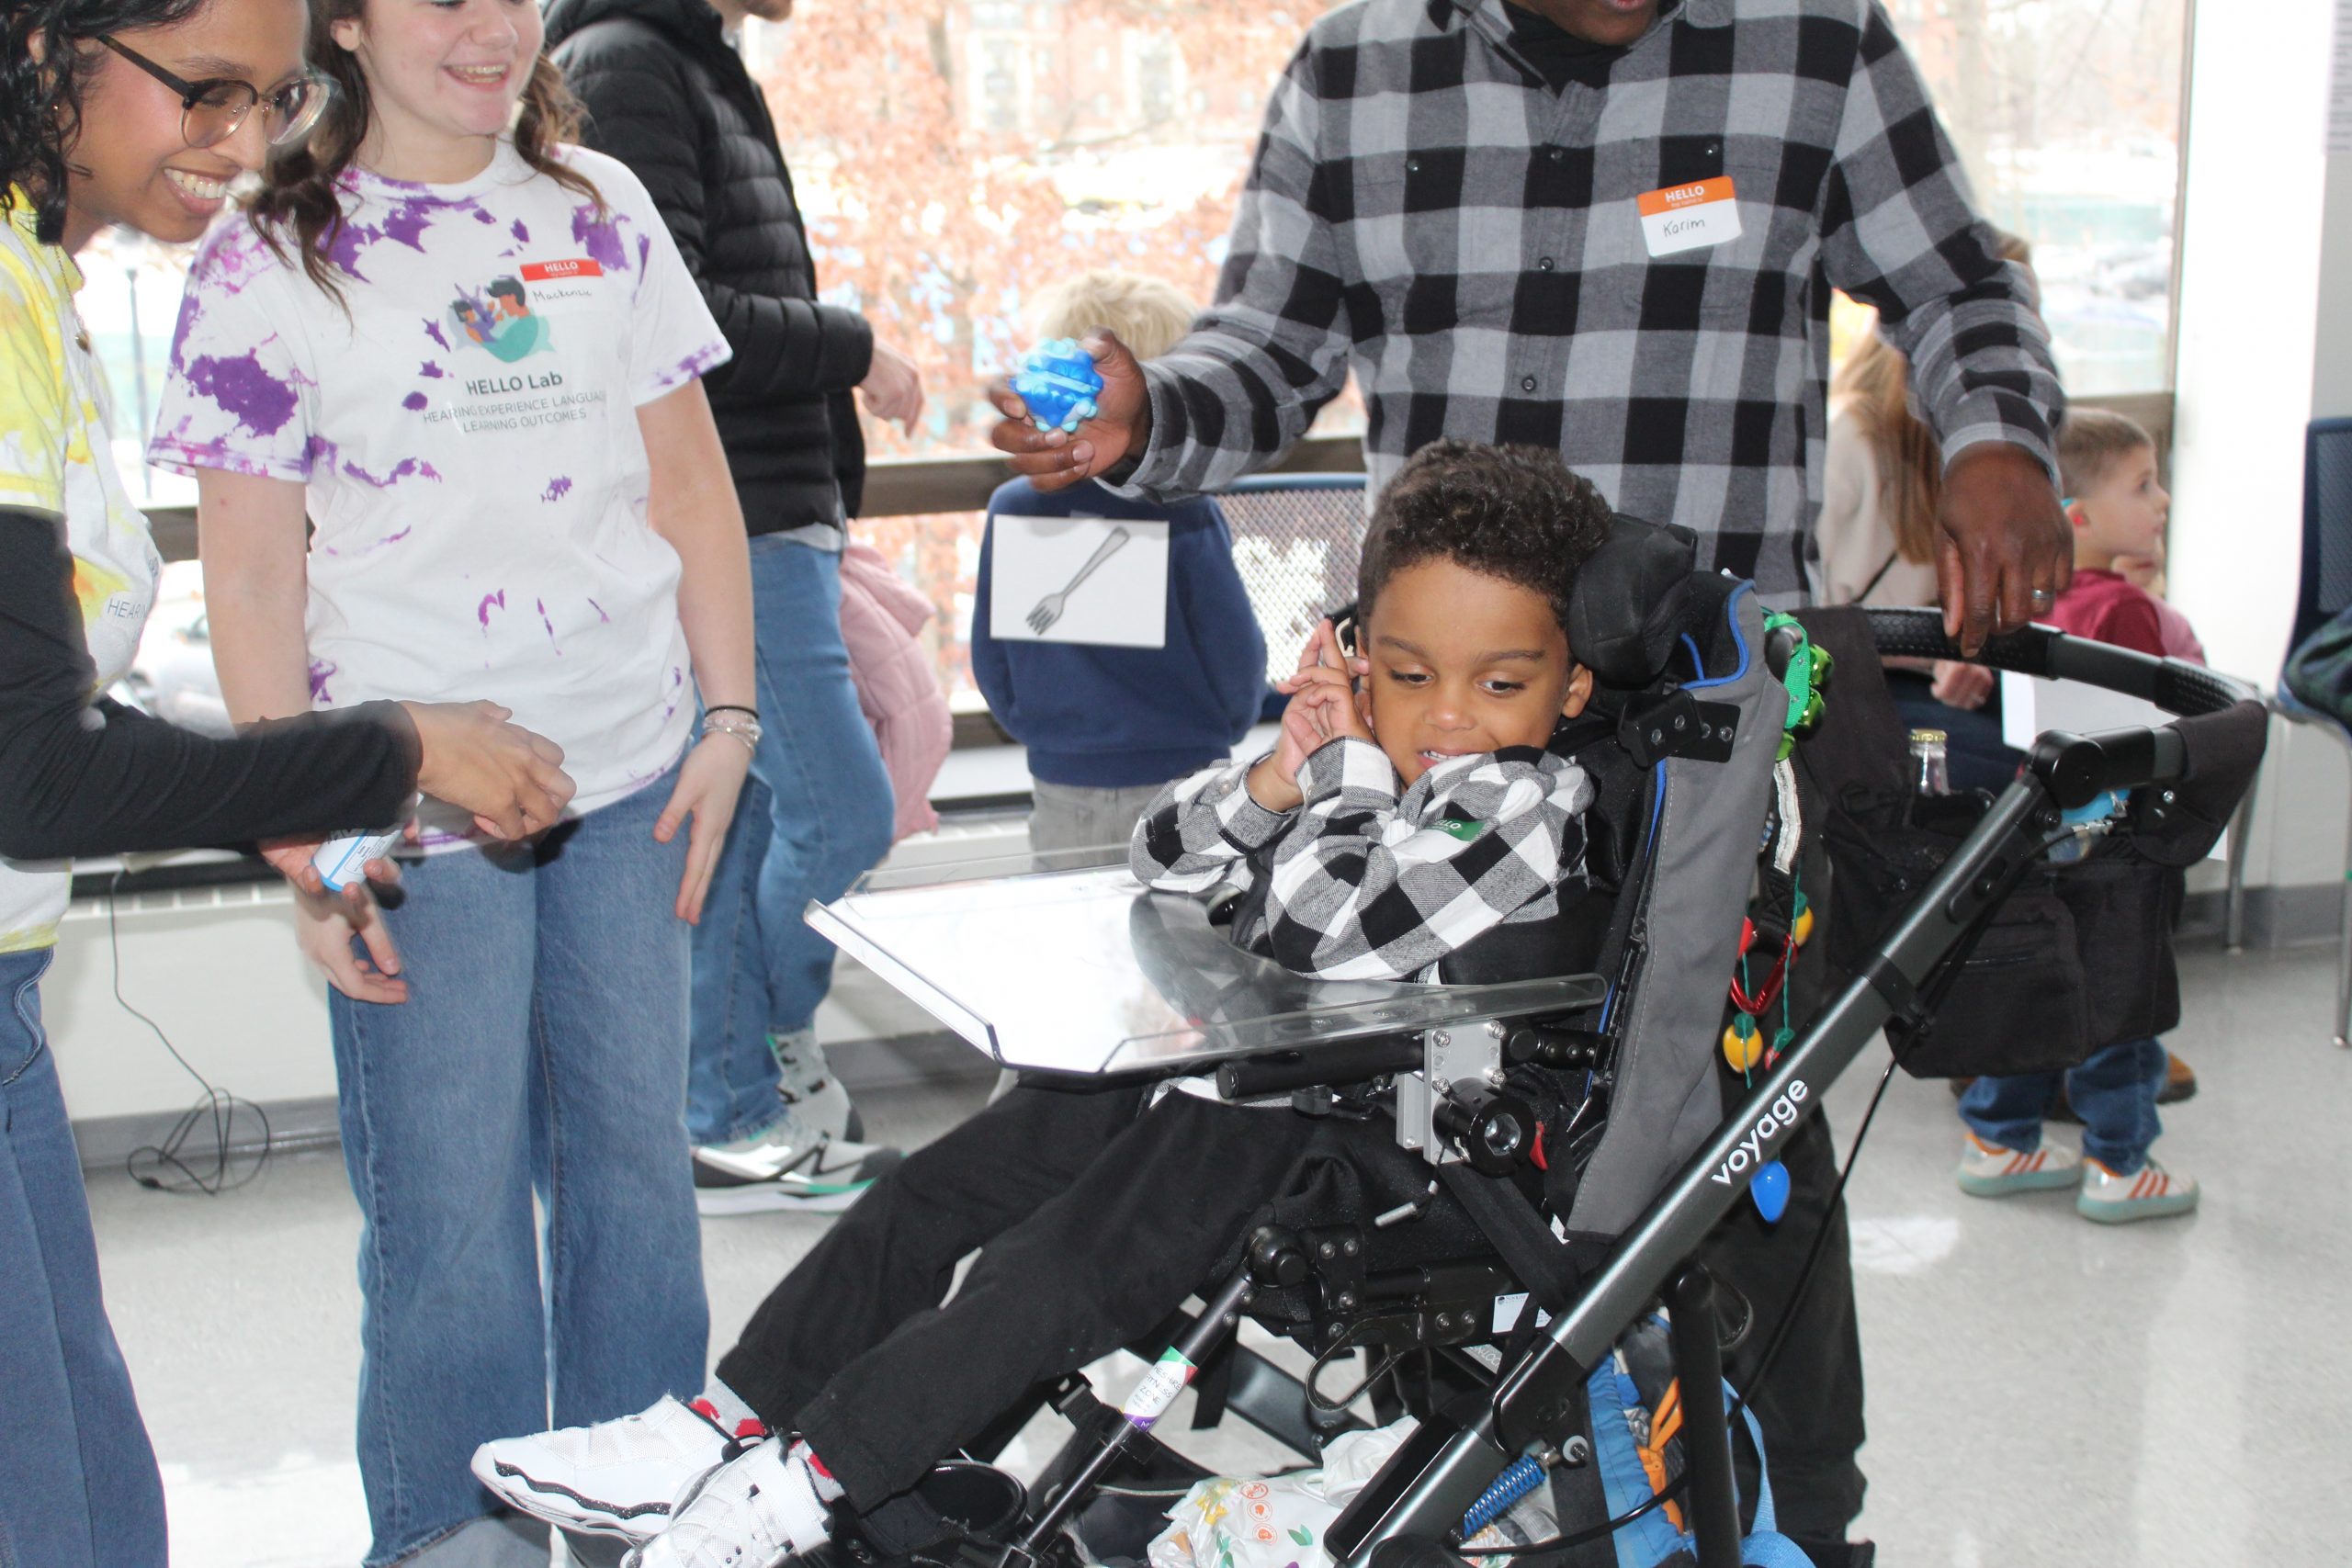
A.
pixel 1559 1138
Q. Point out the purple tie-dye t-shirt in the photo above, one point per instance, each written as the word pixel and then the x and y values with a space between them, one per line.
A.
pixel 464 422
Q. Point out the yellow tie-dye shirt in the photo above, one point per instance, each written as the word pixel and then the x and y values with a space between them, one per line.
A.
pixel 56 456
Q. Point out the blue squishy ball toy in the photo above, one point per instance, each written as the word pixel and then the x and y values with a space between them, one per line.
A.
pixel 1058 382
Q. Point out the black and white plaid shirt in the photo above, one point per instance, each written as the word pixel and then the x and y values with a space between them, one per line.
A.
pixel 1364 884
pixel 1424 208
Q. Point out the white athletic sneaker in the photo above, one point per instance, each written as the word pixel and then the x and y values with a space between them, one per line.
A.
pixel 617 1478
pixel 754 1511
pixel 808 1086
pixel 2149 1194
pixel 786 1166
pixel 1989 1170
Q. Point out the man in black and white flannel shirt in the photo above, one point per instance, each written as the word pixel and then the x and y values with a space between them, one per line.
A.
pixel 1614 226
pixel 1611 226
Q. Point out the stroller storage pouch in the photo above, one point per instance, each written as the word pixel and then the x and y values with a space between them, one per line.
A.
pixel 2077 957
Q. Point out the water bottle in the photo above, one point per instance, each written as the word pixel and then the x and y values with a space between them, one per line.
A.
pixel 1930 774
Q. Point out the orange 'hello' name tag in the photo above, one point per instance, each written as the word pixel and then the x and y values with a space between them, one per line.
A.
pixel 1689 217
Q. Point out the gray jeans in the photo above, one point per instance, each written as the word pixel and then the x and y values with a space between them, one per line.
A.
pixel 1073 816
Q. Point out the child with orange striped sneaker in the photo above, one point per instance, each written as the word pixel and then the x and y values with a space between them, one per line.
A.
pixel 2108 465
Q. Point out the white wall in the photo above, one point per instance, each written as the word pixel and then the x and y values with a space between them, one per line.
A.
pixel 2331 375
pixel 2250 304
pixel 2266 303
pixel 218 973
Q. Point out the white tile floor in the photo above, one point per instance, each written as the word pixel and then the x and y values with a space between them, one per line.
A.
pixel 2041 1390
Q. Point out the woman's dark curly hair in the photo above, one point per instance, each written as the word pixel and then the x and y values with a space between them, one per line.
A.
pixel 299 195
pixel 1516 513
pixel 40 101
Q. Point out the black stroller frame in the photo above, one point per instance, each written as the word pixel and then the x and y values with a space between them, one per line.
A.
pixel 1536 1401
pixel 1438 1475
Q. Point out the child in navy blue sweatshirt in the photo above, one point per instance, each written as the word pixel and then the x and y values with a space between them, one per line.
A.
pixel 1107 727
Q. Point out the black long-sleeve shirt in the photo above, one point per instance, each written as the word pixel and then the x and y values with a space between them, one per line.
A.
pixel 80 777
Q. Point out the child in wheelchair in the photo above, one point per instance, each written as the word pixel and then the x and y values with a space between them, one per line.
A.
pixel 1393 830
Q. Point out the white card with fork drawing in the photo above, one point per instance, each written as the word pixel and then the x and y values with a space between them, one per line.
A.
pixel 1085 579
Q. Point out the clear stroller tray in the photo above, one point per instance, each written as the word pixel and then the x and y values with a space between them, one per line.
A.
pixel 1084 971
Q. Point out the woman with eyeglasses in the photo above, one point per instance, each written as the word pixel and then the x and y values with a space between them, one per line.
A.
pixel 441 393
pixel 138 113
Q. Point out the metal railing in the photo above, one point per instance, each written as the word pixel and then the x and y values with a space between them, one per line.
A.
pixel 921 487
pixel 895 487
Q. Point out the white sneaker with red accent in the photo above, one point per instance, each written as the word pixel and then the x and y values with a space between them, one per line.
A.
pixel 2151 1193
pixel 617 1478
pixel 1989 1170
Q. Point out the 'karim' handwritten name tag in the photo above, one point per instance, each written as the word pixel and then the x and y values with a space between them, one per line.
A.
pixel 1690 217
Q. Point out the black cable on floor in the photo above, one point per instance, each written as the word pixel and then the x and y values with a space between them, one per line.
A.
pixel 171 1166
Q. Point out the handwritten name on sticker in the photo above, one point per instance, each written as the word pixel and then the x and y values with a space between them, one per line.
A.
pixel 1689 217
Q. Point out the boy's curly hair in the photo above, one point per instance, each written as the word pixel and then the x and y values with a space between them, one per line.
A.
pixel 40 101
pixel 1516 513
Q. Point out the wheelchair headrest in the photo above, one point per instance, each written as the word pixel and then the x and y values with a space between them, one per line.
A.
pixel 1631 600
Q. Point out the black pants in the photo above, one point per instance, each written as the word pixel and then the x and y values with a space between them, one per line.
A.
pixel 1810 1405
pixel 1094 1219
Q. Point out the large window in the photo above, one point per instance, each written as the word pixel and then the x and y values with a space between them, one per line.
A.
pixel 2067 113
pixel 956 156
pixel 999 146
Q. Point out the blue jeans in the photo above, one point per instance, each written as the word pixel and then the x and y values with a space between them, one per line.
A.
pixel 542 1050
pixel 816 815
pixel 2114 1092
pixel 78 1486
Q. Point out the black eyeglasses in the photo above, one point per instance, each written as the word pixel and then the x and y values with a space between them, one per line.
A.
pixel 211 111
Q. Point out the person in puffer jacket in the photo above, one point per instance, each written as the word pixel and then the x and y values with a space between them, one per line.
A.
pixel 667 95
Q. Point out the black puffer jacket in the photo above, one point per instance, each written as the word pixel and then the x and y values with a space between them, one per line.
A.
pixel 667 96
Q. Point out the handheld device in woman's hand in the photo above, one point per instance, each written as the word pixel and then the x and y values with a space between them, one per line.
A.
pixel 342 862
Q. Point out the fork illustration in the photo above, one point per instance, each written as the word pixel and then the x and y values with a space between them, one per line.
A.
pixel 1050 609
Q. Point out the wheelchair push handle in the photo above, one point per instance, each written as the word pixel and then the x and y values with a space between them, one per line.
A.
pixel 2173 685
pixel 2075 769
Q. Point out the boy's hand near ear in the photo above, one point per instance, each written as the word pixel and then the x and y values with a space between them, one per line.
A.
pixel 1323 708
